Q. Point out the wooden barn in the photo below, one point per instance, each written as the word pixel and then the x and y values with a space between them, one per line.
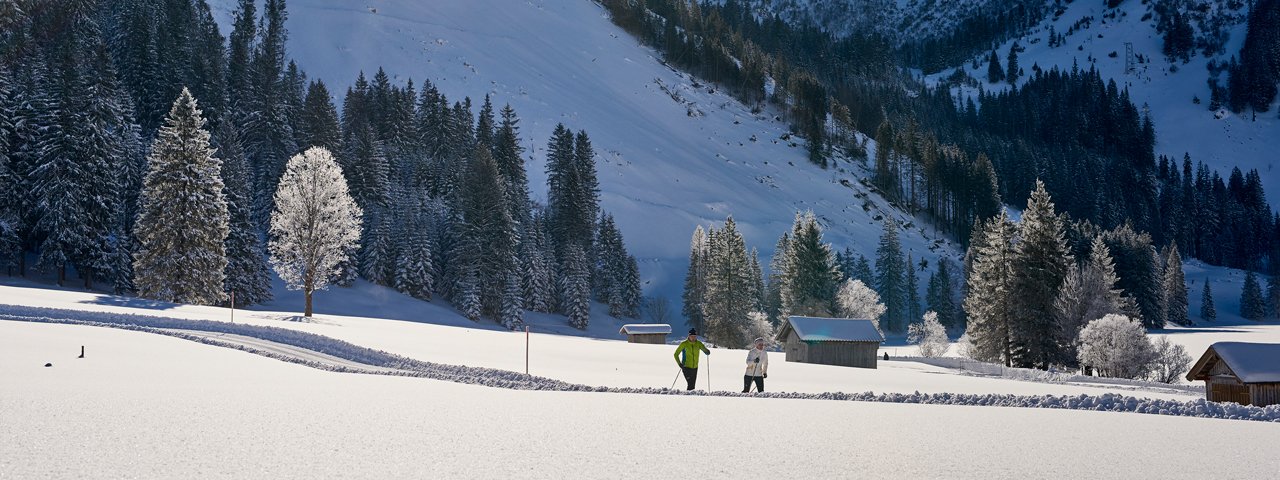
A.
pixel 1244 373
pixel 831 341
pixel 646 332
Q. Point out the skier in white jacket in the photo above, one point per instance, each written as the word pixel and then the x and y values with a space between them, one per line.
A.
pixel 757 367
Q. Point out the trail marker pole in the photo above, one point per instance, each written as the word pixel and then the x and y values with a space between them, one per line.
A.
pixel 526 349
pixel 233 306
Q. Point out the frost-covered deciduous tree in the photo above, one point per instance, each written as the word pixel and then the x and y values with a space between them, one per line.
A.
pixel 1116 346
pixel 856 300
pixel 758 326
pixel 1171 361
pixel 183 223
pixel 930 335
pixel 315 225
pixel 1088 293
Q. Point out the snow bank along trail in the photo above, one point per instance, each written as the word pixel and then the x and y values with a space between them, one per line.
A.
pixel 390 364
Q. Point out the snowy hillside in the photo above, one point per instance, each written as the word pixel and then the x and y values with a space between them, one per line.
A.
pixel 897 20
pixel 672 153
pixel 209 412
pixel 1169 90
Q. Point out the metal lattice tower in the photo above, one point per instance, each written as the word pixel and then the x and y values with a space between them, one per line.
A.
pixel 1129 65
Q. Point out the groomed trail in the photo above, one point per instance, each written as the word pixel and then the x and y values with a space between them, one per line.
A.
pixel 326 353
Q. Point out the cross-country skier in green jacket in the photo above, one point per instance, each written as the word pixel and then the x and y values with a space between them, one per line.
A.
pixel 687 357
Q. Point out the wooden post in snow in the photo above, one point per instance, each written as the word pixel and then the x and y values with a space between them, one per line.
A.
pixel 526 349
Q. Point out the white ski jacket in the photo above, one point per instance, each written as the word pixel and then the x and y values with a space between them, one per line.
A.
pixel 752 369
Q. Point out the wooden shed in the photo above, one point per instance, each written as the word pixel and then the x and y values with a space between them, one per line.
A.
pixel 646 332
pixel 831 341
pixel 1244 373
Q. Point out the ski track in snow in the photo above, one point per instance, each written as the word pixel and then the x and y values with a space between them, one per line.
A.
pixel 283 344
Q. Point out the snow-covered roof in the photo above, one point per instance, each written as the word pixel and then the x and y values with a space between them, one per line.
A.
pixel 646 329
pixel 1251 362
pixel 815 329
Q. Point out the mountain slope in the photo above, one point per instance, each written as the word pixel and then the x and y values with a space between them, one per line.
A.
pixel 1168 89
pixel 673 152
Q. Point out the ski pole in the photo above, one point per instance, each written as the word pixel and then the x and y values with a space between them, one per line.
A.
pixel 708 373
pixel 673 381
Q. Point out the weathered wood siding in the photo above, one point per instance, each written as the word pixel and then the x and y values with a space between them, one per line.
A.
pixel 1263 394
pixel 847 354
pixel 654 338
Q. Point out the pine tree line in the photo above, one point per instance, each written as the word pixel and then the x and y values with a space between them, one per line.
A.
pixel 1027 297
pixel 444 195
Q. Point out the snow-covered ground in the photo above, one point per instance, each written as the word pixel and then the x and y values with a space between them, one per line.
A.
pixel 1221 139
pixel 147 406
pixel 426 332
pixel 672 152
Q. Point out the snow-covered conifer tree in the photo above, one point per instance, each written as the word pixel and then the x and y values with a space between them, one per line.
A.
pixel 575 287
pixel 182 226
pixel 695 279
pixel 891 281
pixel 315 224
pixel 1207 310
pixel 1040 264
pixel 1252 303
pixel 1175 288
pixel 247 272
pixel 988 302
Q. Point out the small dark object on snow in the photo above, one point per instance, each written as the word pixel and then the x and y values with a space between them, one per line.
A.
pixel 48 364
pixel 886 355
pixel 81 352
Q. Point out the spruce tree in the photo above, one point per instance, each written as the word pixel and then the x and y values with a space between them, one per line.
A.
pixel 913 290
pixel 1252 303
pixel 812 278
pixel 729 290
pixel 1175 288
pixel 539 288
pixel 1139 268
pixel 995 74
pixel 862 271
pixel 575 287
pixel 511 314
pixel 988 303
pixel 1207 310
pixel 182 228
pixel 1040 265
pixel 695 280
pixel 1273 297
pixel 318 119
pixel 1012 70
pixel 247 273
pixel 413 275
pixel 891 279
pixel 941 294
pixel 488 232
pixel 778 266
pixel 509 155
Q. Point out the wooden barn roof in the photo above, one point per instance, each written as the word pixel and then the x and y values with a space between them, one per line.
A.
pixel 816 329
pixel 1251 362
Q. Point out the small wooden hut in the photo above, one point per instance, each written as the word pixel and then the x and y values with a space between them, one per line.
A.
pixel 646 332
pixel 831 341
pixel 1244 373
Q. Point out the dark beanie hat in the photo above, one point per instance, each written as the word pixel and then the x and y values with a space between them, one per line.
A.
pixel 693 331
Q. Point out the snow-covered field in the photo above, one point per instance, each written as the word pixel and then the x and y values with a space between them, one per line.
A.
pixel 437 335
pixel 147 406
pixel 672 152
